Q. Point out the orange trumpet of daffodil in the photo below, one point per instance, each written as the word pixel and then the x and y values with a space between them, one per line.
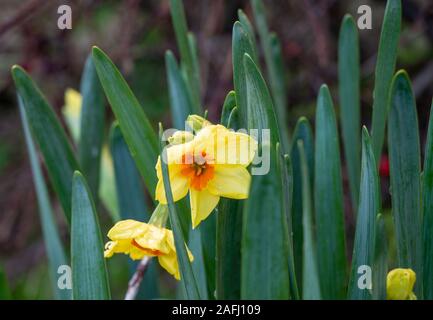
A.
pixel 139 239
pixel 209 165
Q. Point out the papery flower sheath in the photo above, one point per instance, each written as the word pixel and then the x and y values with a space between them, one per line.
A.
pixel 211 165
pixel 399 284
pixel 139 239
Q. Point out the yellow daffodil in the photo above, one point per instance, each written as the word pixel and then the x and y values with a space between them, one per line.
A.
pixel 399 284
pixel 211 165
pixel 72 111
pixel 140 239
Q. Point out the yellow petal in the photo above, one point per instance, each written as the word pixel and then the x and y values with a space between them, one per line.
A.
pixel 400 283
pixel 230 181
pixel 178 183
pixel 72 111
pixel 127 229
pixel 154 239
pixel 202 203
pixel 180 137
pixel 169 263
pixel 225 146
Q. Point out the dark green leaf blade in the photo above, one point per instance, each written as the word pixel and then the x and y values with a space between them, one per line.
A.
pixel 310 274
pixel 405 169
pixel 55 252
pixel 50 136
pixel 427 189
pixel 368 208
pixel 349 86
pixel 328 200
pixel 380 268
pixel 385 66
pixel 304 133
pixel 180 101
pixel 92 125
pixel 241 45
pixel 265 239
pixel 5 292
pixel 89 272
pixel 136 128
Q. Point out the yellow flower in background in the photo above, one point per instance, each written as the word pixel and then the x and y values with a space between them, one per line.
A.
pixel 72 112
pixel 139 239
pixel 399 284
pixel 211 165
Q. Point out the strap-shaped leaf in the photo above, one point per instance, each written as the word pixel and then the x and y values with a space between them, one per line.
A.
pixel 92 125
pixel 380 267
pixel 368 208
pixel 136 128
pixel 405 169
pixel 89 272
pixel 310 273
pixel 427 201
pixel 302 133
pixel 229 228
pixel 241 45
pixel 385 66
pixel 188 51
pixel 55 252
pixel 274 66
pixel 180 100
pixel 328 201
pixel 349 86
pixel 265 242
pixel 50 136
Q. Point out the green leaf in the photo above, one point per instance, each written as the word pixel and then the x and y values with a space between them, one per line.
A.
pixel 310 274
pixel 405 169
pixel 228 106
pixel 380 268
pixel 132 203
pixel 427 201
pixel 89 272
pixel 5 292
pixel 136 128
pixel 286 175
pixel 260 110
pixel 187 50
pixel 92 125
pixel 241 44
pixel 50 136
pixel 274 66
pixel 303 133
pixel 208 238
pixel 180 100
pixel 265 239
pixel 385 66
pixel 54 248
pixel 349 86
pixel 248 28
pixel 229 228
pixel 368 208
pixel 328 200
pixel 195 88
pixel 185 268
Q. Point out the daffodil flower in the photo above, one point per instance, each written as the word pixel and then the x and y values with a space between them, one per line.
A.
pixel 140 239
pixel 399 284
pixel 211 165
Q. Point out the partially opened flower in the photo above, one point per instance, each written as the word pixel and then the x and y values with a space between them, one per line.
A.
pixel 211 165
pixel 399 284
pixel 140 239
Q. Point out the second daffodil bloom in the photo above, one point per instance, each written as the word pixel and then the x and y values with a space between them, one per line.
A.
pixel 211 165
pixel 399 284
pixel 140 239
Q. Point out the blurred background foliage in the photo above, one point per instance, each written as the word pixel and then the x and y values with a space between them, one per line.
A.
pixel 136 34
